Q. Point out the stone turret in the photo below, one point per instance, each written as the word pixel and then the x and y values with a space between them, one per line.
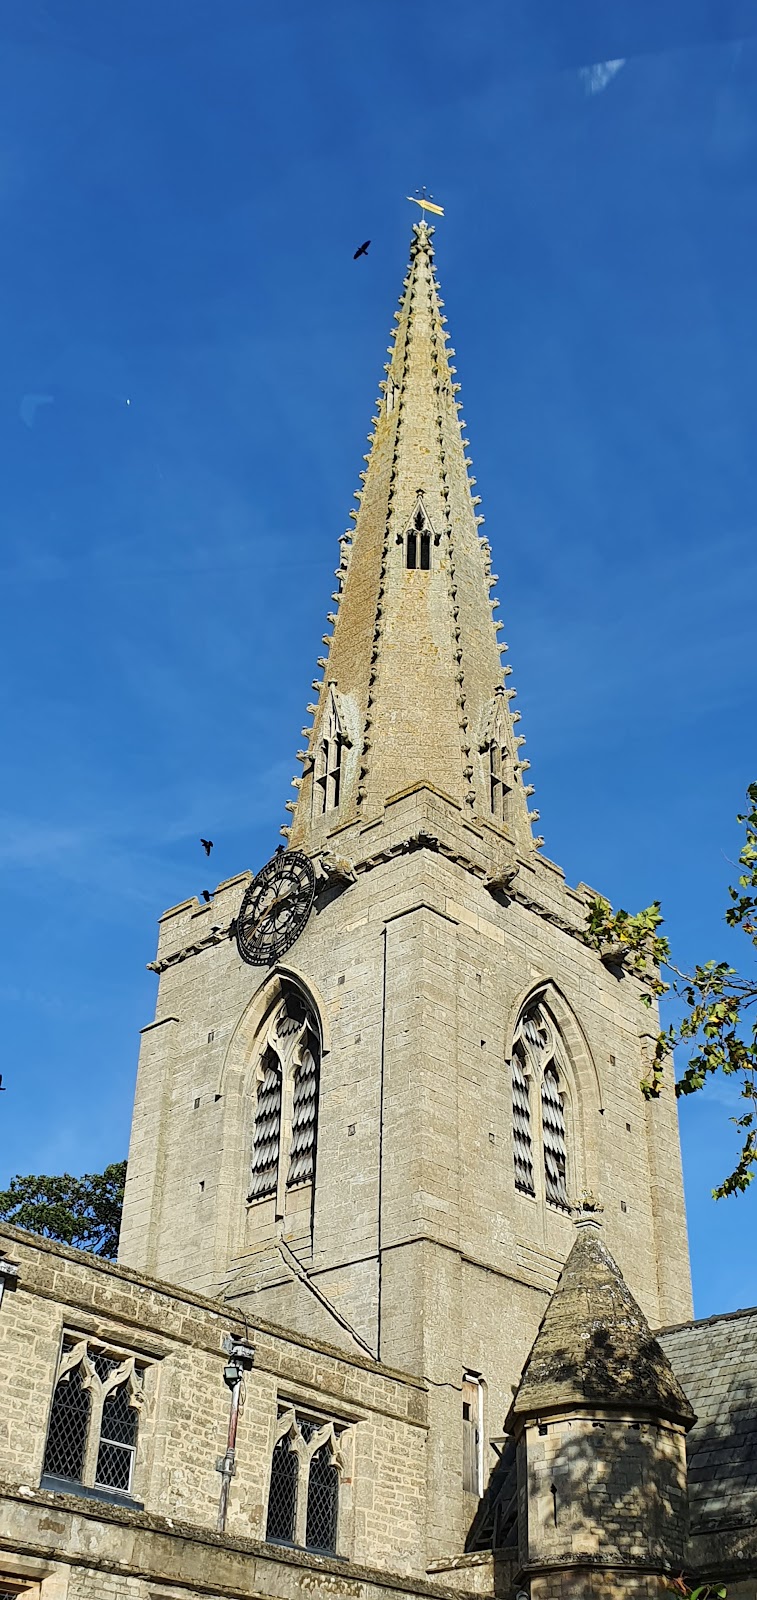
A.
pixel 411 688
pixel 599 1421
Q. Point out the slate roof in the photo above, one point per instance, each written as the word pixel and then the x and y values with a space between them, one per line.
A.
pixel 594 1346
pixel 715 1360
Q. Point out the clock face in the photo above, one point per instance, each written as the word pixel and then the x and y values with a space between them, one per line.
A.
pixel 275 908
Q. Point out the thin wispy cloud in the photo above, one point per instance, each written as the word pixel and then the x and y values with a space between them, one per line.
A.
pixel 596 77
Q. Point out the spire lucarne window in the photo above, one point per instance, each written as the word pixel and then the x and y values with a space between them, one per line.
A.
pixel 418 540
pixel 536 1062
pixel 501 774
pixel 284 1136
pixel 328 761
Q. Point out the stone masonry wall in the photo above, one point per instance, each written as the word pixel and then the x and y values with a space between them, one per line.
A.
pixel 609 1490
pixel 183 1425
pixel 421 1243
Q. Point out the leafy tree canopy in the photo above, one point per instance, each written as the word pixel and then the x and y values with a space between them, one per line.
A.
pixel 85 1212
pixel 718 1028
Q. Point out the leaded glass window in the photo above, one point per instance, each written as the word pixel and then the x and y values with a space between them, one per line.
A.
pixel 303 1498
pixel 118 1441
pixel 323 1501
pixel 69 1427
pixel 282 1495
pixel 92 1434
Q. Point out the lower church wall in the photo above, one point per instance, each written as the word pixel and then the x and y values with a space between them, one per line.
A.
pixel 378 1418
pixel 58 1548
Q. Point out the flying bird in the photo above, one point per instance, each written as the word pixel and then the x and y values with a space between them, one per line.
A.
pixel 207 845
pixel 207 897
pixel 363 250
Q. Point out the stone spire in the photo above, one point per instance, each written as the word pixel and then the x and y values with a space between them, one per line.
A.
pixel 594 1347
pixel 411 690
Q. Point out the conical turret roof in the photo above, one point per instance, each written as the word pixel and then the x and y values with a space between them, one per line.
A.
pixel 594 1346
pixel 411 689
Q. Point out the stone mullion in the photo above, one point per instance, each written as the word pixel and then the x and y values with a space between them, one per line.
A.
pixel 89 1470
pixel 301 1514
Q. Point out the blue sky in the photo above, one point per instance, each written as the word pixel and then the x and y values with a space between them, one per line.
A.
pixel 189 361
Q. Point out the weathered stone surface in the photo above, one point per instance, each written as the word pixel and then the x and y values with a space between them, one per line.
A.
pixel 594 1347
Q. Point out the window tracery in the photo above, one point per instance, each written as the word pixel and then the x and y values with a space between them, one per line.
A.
pixel 92 1433
pixel 536 1061
pixel 303 1497
pixel 286 1111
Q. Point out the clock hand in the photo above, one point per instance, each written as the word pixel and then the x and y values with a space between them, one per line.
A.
pixel 280 900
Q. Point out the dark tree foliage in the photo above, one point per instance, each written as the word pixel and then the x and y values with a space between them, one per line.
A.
pixel 84 1212
pixel 718 1027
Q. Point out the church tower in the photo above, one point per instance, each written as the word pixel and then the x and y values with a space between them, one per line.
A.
pixel 378 1079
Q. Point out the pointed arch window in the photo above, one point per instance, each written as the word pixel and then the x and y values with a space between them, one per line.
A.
pixel 92 1433
pixel 540 1144
pixel 418 540
pixel 327 788
pixel 286 1108
pixel 303 1496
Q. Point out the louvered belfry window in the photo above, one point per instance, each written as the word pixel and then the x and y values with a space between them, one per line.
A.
pixel 265 1144
pixel 303 1496
pixel 302 1148
pixel 537 1080
pixel 92 1434
pixel 553 1130
pixel 286 1111
pixel 523 1150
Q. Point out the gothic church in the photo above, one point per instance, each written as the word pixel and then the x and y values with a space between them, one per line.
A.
pixel 398 1223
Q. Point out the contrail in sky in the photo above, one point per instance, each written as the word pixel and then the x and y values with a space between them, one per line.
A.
pixel 597 77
